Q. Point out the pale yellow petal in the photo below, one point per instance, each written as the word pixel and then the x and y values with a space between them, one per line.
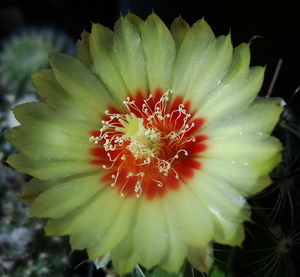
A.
pixel 80 82
pixel 243 148
pixel 228 232
pixel 227 100
pixel 83 50
pixel 224 204
pixel 196 41
pixel 177 248
pixel 33 189
pixel 179 28
pixel 219 198
pixel 159 50
pixel 50 169
pixel 46 143
pixel 51 92
pixel 191 220
pixel 115 233
pixel 246 179
pixel 201 63
pixel 65 196
pixel 104 62
pixel 123 255
pixel 98 214
pixel 201 258
pixel 129 55
pixel 259 118
pixel 150 233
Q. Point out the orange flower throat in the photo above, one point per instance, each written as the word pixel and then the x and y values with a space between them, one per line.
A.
pixel 154 147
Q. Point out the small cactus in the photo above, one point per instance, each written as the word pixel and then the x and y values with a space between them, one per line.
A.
pixel 26 52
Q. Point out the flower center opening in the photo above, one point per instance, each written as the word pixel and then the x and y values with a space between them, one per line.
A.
pixel 142 141
pixel 153 147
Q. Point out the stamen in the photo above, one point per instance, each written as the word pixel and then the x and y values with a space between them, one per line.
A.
pixel 145 142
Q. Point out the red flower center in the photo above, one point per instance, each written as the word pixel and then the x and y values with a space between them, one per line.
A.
pixel 153 148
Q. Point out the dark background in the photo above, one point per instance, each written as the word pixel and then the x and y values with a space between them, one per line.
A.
pixel 278 22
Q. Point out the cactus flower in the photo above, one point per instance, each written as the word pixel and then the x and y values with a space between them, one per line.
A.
pixel 144 147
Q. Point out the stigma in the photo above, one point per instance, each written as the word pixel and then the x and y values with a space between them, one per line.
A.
pixel 142 141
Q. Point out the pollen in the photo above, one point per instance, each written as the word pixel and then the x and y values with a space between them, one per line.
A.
pixel 151 148
pixel 142 141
